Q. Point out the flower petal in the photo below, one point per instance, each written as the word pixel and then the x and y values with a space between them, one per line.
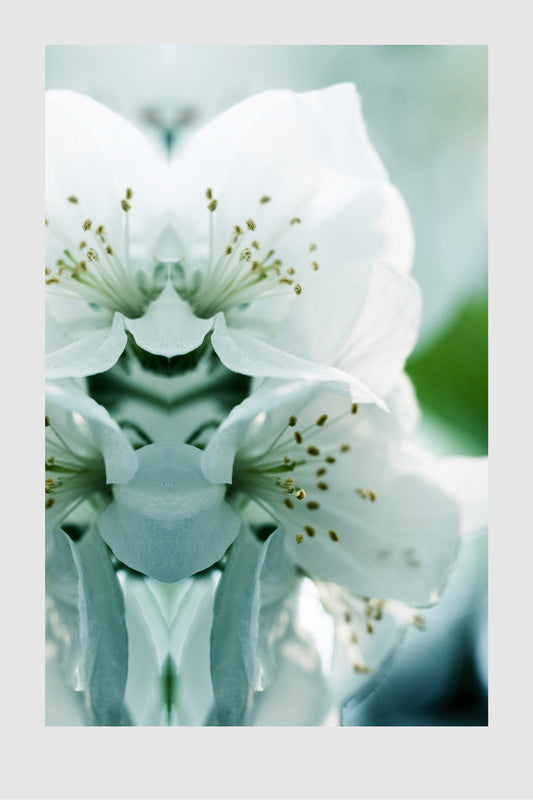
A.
pixel 169 327
pixel 228 672
pixel 105 694
pixel 94 155
pixel 95 351
pixel 88 617
pixel 83 421
pixel 265 618
pixel 168 521
pixel 242 352
pixel 466 480
pixel 401 546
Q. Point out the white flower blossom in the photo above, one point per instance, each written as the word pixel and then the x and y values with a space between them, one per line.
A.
pixel 295 265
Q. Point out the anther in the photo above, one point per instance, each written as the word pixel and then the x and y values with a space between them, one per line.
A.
pixel 265 199
pixel 92 255
pixel 212 204
pixel 255 244
pixel 129 194
pixel 310 531
pixel 100 230
pixel 295 220
pixel 73 199
pixel 87 225
pixel 250 224
pixel 323 486
pixel 345 448
pixel 228 250
pixel 312 248
pixel 312 505
pixel 209 194
pixel 297 288
pixel 300 494
pixel 369 627
pixel 298 436
pixel 292 421
pixel 238 230
pixel 288 481
pixel 290 270
pixel 46 421
pixel 321 420
pixel 51 280
pixel 333 536
pixel 361 668
pixel 314 265
pixel 82 245
pixel 299 538
pixel 288 502
pixel 313 451
pixel 49 503
pixel 419 622
pixel 125 205
pixel 246 255
pixel 355 408
pixel 47 271
pixel 330 459
pixel 109 250
pixel 372 495
pixel 287 282
pixel 321 471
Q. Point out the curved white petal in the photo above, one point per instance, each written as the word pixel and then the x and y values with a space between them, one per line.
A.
pixel 241 352
pixel 466 480
pixel 169 327
pixel 402 545
pixel 93 154
pixel 86 426
pixel 228 672
pixel 168 521
pixel 266 616
pixel 97 350
pixel 361 318
pixel 319 160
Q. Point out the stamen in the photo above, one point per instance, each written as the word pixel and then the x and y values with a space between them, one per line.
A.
pixel 87 224
pixel 209 194
pixel 333 536
pixel 250 224
pixel 73 199
pixel 129 194
pixel 345 448
pixel 310 531
pixel 299 538
pixel 265 199
pixel 330 459
pixel 314 266
pixel 323 486
pixel 298 436
pixel 292 421
pixel 288 502
pixel 212 204
pixel 312 505
pixel 321 420
pixel 355 408
pixel 312 248
pixel 300 494
pixel 297 289
pixel 321 471
pixel 125 205
pixel 313 451
pixel 295 220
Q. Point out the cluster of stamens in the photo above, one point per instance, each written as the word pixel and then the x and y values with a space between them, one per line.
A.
pixel 358 617
pixel 243 272
pixel 69 477
pixel 93 269
pixel 264 478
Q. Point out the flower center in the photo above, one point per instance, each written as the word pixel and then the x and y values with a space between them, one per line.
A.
pixel 70 477
pixel 93 271
pixel 245 271
pixel 293 476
